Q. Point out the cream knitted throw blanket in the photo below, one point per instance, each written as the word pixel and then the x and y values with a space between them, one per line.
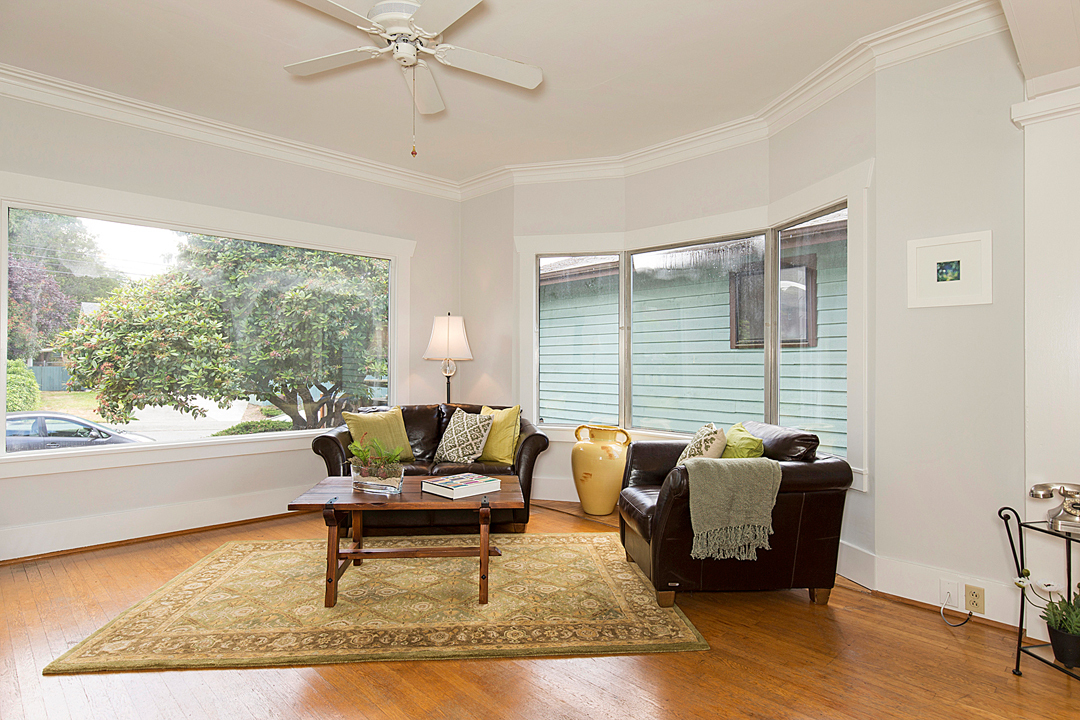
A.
pixel 731 503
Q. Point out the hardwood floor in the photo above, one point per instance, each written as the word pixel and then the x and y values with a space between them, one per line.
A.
pixel 774 655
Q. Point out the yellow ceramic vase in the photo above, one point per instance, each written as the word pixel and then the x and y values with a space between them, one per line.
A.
pixel 598 462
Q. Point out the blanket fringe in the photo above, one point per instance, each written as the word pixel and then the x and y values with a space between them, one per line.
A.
pixel 740 542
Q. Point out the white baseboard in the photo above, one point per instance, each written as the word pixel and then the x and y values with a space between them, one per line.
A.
pixel 857 565
pixel 922 583
pixel 553 488
pixel 27 540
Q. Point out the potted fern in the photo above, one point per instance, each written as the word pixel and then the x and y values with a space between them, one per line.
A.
pixel 375 467
pixel 1062 617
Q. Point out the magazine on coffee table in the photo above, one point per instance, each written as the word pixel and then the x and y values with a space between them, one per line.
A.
pixel 461 485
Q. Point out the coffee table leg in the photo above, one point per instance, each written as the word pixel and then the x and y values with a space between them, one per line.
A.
pixel 332 531
pixel 485 526
pixel 358 533
pixel 335 566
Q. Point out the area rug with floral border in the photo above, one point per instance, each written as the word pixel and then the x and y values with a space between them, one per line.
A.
pixel 260 603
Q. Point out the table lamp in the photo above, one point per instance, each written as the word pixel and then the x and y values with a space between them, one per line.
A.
pixel 448 343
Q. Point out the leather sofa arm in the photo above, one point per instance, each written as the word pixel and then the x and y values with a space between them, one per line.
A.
pixel 674 498
pixel 531 443
pixel 331 446
pixel 649 461
pixel 827 472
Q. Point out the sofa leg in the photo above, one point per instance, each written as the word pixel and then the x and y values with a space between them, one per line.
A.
pixel 820 596
pixel 665 598
pixel 628 558
pixel 517 527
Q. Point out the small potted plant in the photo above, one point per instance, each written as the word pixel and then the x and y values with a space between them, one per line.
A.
pixel 374 467
pixel 1062 617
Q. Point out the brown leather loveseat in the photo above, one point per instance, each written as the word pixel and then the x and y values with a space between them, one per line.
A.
pixel 654 520
pixel 425 424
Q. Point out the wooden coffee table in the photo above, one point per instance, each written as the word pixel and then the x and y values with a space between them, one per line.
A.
pixel 337 500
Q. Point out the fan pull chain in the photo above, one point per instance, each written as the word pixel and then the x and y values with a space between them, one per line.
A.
pixel 414 111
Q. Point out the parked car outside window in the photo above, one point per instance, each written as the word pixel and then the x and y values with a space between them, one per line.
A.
pixel 38 430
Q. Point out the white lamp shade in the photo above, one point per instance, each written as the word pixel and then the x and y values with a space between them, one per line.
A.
pixel 448 339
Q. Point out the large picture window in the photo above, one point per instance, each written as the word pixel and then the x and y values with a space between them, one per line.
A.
pixel 120 333
pixel 696 346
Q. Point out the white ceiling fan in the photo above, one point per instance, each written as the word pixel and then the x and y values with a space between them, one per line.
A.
pixel 406 31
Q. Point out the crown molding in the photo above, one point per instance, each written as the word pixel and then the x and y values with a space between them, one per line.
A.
pixel 488 182
pixel 699 144
pixel 952 26
pixel 1047 107
pixel 927 34
pixel 837 76
pixel 29 86
pixel 955 25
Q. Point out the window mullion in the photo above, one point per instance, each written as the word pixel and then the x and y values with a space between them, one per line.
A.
pixel 625 366
pixel 772 326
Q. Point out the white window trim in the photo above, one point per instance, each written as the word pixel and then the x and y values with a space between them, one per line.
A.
pixel 101 203
pixel 851 186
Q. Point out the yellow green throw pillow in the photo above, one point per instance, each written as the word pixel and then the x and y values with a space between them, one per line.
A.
pixel 741 444
pixel 387 427
pixel 502 441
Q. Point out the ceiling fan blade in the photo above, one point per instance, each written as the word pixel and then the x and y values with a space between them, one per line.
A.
pixel 511 71
pixel 329 62
pixel 343 14
pixel 426 93
pixel 434 16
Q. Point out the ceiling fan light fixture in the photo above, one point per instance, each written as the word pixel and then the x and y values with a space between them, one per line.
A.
pixel 394 15
pixel 404 29
pixel 405 53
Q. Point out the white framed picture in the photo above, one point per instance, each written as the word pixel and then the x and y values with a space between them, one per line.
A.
pixel 951 270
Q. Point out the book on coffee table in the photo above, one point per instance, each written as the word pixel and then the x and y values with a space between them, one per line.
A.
pixel 461 485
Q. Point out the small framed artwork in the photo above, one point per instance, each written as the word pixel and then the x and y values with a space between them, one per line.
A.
pixel 951 270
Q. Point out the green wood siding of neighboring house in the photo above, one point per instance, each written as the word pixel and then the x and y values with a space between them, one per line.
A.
pixel 684 372
pixel 813 380
pixel 579 351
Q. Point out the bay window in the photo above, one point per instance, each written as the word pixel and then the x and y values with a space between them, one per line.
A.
pixel 743 328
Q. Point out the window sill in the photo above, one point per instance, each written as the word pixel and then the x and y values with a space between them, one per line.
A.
pixel 44 462
pixel 565 433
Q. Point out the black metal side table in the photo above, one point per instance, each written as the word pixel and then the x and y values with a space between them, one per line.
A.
pixel 1043 653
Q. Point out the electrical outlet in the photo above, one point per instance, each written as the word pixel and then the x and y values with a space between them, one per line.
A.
pixel 975 599
pixel 948 595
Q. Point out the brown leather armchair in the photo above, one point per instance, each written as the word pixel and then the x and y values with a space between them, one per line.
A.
pixel 654 520
pixel 425 424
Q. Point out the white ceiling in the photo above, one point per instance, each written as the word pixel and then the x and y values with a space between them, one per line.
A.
pixel 1046 34
pixel 619 75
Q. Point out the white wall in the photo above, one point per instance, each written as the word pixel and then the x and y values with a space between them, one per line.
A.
pixel 712 185
pixel 949 395
pixel 488 300
pixel 838 135
pixel 583 206
pixel 70 161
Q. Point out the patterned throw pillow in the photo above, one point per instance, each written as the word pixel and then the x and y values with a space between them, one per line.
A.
pixel 708 442
pixel 464 438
